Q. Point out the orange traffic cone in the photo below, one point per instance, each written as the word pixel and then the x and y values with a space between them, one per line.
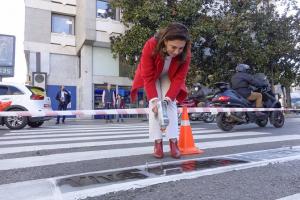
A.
pixel 186 141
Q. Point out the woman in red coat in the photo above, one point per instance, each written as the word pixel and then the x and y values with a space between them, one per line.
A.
pixel 162 71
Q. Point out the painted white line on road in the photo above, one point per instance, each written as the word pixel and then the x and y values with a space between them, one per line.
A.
pixel 37 131
pixel 116 142
pixel 292 197
pixel 70 134
pixel 89 133
pixel 108 135
pixel 228 143
pixel 16 163
pixel 36 190
pixel 69 139
pixel 47 189
pixel 82 131
pixel 62 127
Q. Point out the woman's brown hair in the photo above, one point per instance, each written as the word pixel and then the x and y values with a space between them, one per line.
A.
pixel 174 31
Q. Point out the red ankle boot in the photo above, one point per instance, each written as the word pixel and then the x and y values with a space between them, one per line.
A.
pixel 158 149
pixel 174 151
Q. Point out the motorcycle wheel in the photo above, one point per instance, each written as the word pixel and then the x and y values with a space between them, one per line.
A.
pixel 209 118
pixel 277 119
pixel 192 117
pixel 262 122
pixel 222 122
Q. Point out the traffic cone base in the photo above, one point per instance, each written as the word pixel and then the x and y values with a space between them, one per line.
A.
pixel 191 151
pixel 186 141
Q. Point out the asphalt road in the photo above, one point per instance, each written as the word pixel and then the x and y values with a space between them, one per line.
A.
pixel 88 146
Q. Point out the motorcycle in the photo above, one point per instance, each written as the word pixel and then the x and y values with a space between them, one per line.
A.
pixel 227 97
pixel 200 97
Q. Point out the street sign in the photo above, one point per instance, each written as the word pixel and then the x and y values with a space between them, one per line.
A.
pixel 7 55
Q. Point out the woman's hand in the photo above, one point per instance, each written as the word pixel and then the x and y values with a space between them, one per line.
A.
pixel 154 102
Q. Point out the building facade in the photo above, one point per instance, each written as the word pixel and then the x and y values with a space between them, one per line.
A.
pixel 67 43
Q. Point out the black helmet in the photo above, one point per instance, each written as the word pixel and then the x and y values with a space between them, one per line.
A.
pixel 242 68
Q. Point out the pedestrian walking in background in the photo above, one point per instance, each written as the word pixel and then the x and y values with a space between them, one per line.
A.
pixel 63 97
pixel 162 72
pixel 120 104
pixel 143 103
pixel 108 100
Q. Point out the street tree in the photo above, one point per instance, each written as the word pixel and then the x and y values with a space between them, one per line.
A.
pixel 224 33
pixel 144 18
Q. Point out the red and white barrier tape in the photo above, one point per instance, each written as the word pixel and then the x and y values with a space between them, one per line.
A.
pixel 133 111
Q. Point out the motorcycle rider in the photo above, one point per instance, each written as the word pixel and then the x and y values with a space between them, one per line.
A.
pixel 241 81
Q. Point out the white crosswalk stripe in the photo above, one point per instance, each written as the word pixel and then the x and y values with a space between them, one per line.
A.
pixel 105 143
pixel 50 134
pixel 16 163
pixel 94 136
pixel 72 144
pixel 84 130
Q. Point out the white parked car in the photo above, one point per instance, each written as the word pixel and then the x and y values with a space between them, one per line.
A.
pixel 20 97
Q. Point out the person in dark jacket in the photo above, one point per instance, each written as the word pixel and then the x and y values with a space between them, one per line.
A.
pixel 108 100
pixel 63 97
pixel 241 81
pixel 120 104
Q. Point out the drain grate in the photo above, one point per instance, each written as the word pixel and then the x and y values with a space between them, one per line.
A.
pixel 159 169
pixel 102 178
pixel 193 165
pixel 149 171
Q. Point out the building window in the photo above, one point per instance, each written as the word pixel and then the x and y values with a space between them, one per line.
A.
pixel 62 24
pixel 104 10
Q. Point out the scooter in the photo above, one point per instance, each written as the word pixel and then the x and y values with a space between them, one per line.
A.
pixel 207 117
pixel 200 97
pixel 227 97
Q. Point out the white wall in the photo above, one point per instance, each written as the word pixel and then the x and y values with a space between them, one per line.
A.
pixel 63 70
pixel 106 28
pixel 103 62
pixel 55 7
pixel 85 89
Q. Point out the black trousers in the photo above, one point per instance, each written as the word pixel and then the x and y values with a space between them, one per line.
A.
pixel 61 107
pixel 108 105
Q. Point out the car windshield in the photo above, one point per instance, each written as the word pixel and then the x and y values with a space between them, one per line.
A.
pixel 36 90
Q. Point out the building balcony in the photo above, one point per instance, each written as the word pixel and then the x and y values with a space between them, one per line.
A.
pixel 106 27
pixel 65 2
pixel 63 39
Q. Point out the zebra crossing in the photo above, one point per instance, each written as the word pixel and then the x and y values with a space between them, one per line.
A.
pixel 70 137
pixel 49 147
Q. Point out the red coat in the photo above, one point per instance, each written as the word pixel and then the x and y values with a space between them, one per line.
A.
pixel 150 68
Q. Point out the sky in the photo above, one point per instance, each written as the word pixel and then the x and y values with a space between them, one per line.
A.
pixel 12 15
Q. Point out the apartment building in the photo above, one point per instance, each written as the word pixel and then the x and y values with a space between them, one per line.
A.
pixel 67 43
